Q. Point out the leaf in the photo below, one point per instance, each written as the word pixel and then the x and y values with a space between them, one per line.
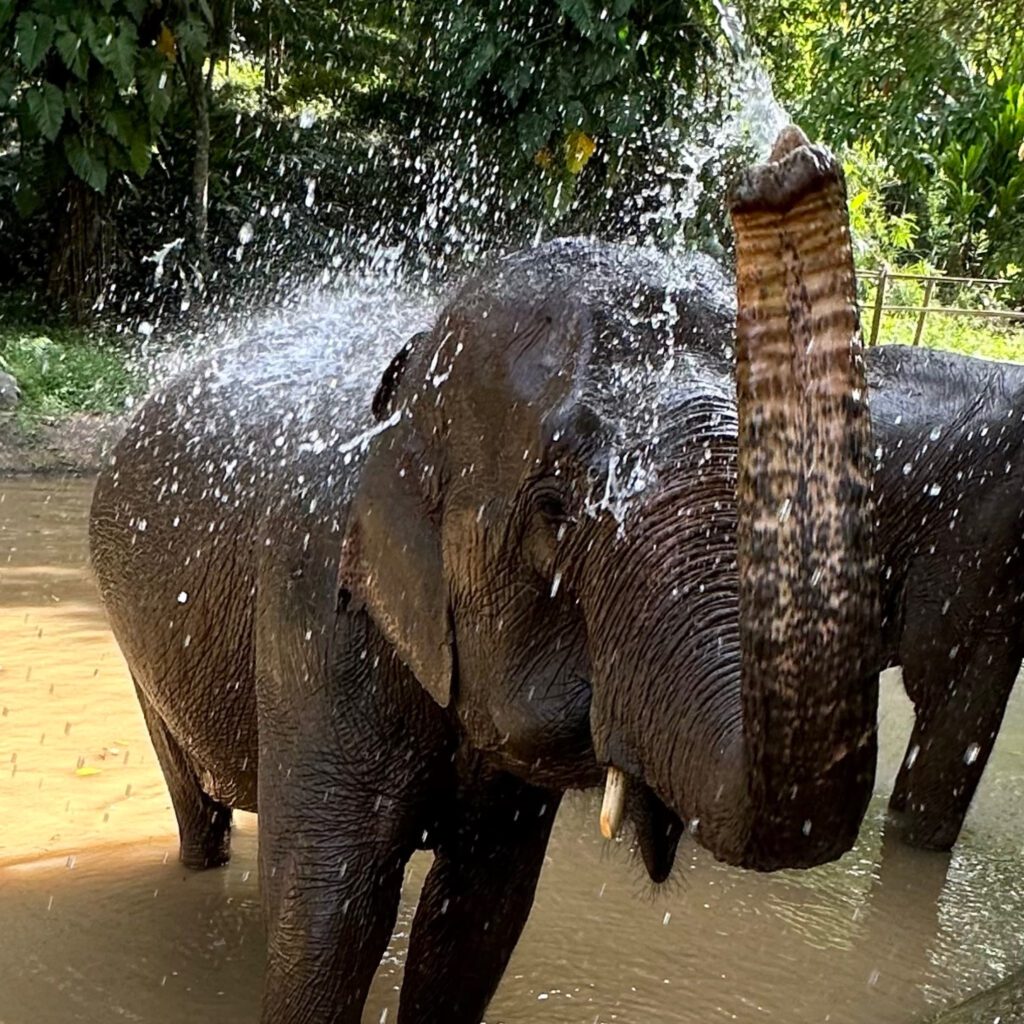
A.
pixel 73 101
pixel 118 123
pixel 6 11
pixel 116 47
pixel 46 108
pixel 136 8
pixel 86 770
pixel 859 200
pixel 140 152
pixel 33 37
pixel 166 44
pixel 86 164
pixel 193 40
pixel 155 77
pixel 579 148
pixel 73 51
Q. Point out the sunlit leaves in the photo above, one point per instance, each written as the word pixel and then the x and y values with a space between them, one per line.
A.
pixel 925 83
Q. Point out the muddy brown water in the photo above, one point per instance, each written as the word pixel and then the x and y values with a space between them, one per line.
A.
pixel 98 923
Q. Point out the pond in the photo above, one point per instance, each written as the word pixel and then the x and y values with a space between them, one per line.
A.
pixel 99 922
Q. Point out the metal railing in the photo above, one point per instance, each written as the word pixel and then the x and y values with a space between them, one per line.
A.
pixel 883 277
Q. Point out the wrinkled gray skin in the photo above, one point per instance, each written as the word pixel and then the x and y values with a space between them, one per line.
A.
pixel 386 636
pixel 949 488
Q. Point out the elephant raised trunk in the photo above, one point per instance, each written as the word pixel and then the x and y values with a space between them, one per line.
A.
pixel 808 597
pixel 750 566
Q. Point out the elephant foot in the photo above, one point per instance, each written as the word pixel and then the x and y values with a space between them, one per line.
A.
pixel 209 844
pixel 922 831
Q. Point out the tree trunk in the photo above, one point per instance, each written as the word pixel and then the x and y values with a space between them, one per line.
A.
pixel 81 250
pixel 200 87
pixel 269 66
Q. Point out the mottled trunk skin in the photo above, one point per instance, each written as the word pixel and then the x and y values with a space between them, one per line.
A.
pixel 808 596
pixel 755 617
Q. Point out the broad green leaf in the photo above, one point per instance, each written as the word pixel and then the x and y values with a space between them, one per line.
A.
pixel 6 11
pixel 140 152
pixel 46 108
pixel 155 77
pixel 33 37
pixel 86 163
pixel 193 40
pixel 119 124
pixel 116 46
pixel 74 52
pixel 859 200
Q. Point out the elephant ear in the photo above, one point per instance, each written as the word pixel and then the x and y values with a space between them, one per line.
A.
pixel 392 558
pixel 383 400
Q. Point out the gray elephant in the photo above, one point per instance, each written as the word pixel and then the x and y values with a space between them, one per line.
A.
pixel 949 485
pixel 568 541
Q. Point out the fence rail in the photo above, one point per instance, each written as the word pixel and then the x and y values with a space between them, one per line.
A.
pixel 883 277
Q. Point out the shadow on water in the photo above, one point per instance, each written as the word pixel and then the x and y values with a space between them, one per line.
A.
pixel 103 931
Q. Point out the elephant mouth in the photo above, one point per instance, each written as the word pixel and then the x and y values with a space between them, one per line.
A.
pixel 658 828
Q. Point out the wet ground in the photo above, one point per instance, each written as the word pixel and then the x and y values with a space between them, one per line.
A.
pixel 98 923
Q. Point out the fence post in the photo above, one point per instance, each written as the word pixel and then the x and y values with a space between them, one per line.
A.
pixel 919 330
pixel 876 318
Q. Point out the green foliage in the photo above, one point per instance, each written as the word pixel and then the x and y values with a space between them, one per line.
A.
pixel 91 89
pixel 978 197
pixel 554 84
pixel 967 335
pixel 881 236
pixel 60 370
pixel 934 88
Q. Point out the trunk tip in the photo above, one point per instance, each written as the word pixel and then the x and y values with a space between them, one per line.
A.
pixel 791 137
pixel 794 171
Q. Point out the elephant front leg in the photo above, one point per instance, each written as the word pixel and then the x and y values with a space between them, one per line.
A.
pixel 331 870
pixel 475 901
pixel 957 719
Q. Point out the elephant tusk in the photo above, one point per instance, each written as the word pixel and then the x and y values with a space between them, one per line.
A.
pixel 613 804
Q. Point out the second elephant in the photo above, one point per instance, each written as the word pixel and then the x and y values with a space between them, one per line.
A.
pixel 949 484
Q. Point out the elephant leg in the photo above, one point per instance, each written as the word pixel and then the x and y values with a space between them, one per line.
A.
pixel 204 824
pixel 475 901
pixel 331 870
pixel 954 731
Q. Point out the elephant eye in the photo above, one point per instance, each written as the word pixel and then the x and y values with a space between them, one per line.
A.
pixel 551 506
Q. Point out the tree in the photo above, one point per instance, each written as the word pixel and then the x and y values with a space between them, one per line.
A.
pixel 89 87
pixel 934 88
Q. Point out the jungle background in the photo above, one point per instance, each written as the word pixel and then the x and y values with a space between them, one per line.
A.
pixel 164 163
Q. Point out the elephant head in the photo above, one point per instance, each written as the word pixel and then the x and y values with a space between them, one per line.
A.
pixel 608 539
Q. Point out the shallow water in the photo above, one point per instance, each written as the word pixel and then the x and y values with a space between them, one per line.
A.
pixel 97 921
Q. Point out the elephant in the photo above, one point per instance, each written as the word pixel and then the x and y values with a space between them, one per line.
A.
pixel 949 482
pixel 591 525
